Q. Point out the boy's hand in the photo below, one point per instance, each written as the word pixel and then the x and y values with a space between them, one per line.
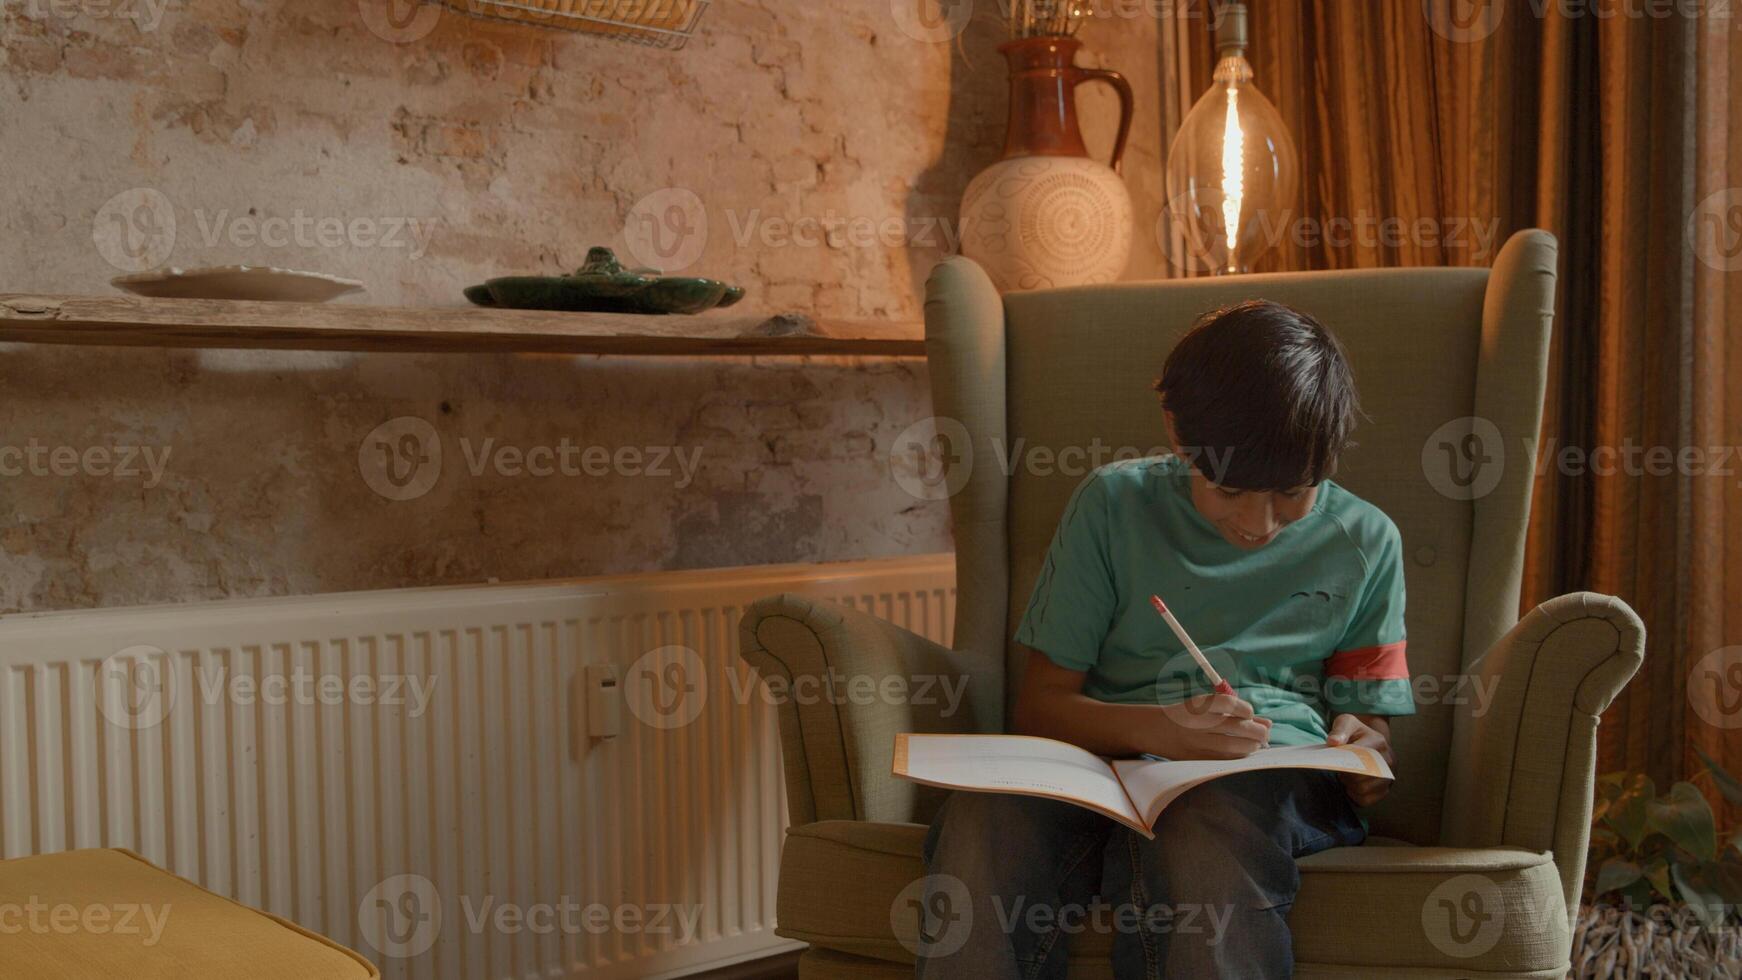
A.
pixel 1373 732
pixel 1212 726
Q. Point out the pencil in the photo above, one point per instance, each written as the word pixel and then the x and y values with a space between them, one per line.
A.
pixel 1221 686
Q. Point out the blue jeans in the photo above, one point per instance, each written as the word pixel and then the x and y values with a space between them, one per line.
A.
pixel 1208 897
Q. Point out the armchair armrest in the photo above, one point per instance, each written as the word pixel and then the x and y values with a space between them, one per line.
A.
pixel 1523 762
pixel 845 683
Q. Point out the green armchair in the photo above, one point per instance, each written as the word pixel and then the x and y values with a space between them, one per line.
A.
pixel 1477 855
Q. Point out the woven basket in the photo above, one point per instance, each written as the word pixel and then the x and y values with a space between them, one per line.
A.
pixel 656 23
pixel 1611 943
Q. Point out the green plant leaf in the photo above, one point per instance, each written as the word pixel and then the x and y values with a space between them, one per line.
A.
pixel 1627 812
pixel 1729 785
pixel 1616 873
pixel 1703 886
pixel 1657 872
pixel 1684 816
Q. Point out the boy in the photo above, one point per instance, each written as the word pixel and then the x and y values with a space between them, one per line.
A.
pixel 1293 587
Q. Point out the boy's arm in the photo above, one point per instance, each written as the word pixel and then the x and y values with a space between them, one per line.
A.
pixel 1368 673
pixel 1051 704
pixel 1074 604
pixel 1367 677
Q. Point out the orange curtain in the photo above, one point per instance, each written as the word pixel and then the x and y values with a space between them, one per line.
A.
pixel 1614 125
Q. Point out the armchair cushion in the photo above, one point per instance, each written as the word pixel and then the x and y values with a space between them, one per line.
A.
pixel 1387 908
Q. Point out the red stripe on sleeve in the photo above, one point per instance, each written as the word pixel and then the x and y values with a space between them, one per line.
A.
pixel 1384 662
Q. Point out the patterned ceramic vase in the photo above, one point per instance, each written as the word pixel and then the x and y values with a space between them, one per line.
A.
pixel 1047 215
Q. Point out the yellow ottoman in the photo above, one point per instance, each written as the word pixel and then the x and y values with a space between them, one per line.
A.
pixel 111 913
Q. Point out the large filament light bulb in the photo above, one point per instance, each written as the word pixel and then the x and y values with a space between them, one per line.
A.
pixel 1231 171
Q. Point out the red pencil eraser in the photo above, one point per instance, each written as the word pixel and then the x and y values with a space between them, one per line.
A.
pixel 1160 607
pixel 1225 688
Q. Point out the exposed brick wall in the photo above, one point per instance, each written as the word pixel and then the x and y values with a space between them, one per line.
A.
pixel 824 149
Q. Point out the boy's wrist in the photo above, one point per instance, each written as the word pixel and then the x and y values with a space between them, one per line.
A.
pixel 1125 731
pixel 1164 735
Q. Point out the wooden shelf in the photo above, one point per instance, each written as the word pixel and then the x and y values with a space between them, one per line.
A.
pixel 206 323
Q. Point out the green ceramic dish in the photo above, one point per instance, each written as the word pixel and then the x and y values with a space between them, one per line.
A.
pixel 602 285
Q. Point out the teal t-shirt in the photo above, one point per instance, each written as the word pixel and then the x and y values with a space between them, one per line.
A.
pixel 1307 627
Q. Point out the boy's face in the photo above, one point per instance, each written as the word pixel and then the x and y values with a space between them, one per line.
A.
pixel 1248 519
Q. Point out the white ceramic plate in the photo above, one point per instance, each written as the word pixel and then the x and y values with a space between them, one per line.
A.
pixel 238 282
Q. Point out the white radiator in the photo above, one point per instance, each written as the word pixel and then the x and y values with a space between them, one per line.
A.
pixel 409 772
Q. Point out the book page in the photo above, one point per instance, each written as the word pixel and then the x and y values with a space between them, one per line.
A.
pixel 1016 764
pixel 1153 784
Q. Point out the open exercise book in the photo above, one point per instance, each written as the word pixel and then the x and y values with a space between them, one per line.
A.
pixel 1131 791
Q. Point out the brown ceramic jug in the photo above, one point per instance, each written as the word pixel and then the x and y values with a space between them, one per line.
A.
pixel 1047 215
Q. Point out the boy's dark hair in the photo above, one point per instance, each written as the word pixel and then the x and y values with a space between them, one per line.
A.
pixel 1262 394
